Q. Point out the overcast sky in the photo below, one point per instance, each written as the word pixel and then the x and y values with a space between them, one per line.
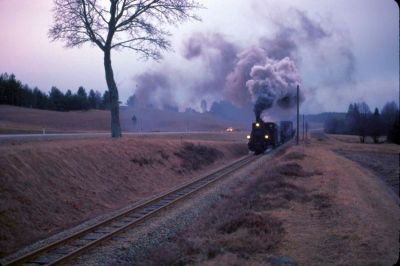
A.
pixel 368 28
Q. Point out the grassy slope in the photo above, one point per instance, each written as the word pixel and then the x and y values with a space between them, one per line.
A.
pixel 48 186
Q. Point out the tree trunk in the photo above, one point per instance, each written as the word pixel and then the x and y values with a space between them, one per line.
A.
pixel 114 101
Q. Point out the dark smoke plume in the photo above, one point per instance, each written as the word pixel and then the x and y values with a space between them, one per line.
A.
pixel 235 83
pixel 153 89
pixel 282 45
pixel 274 81
pixel 349 68
pixel 264 74
pixel 313 31
pixel 219 56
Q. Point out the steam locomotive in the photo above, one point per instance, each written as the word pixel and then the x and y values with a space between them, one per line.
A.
pixel 266 135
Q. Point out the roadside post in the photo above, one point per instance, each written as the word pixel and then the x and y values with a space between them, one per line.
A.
pixel 298 116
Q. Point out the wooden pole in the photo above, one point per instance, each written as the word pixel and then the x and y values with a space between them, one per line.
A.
pixel 304 127
pixel 306 130
pixel 298 116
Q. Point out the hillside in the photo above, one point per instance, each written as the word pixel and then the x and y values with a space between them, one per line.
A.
pixel 51 186
pixel 322 117
pixel 26 120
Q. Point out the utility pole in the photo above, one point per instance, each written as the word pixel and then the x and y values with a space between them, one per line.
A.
pixel 298 115
pixel 304 127
pixel 306 130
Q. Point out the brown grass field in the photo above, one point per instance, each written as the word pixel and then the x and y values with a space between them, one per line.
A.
pixel 26 120
pixel 307 206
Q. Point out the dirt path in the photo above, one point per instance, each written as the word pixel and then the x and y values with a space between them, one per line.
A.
pixel 352 218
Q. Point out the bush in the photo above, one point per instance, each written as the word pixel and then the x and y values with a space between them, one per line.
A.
pixel 196 156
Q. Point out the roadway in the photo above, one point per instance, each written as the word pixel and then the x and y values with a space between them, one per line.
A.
pixel 84 135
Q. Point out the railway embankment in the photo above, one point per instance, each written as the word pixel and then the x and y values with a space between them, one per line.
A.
pixel 47 187
pixel 304 205
pixel 308 206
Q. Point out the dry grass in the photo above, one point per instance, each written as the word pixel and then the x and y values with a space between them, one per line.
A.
pixel 48 186
pixel 239 230
pixel 308 206
pixel 346 207
pixel 195 156
pixel 321 201
pixel 26 120
pixel 295 156
pixel 356 139
pixel 385 165
pixel 246 235
pixel 294 170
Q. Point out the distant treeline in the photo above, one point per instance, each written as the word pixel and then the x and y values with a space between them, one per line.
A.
pixel 13 92
pixel 359 120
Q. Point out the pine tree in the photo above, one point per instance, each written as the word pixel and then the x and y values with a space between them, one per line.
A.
pixel 105 104
pixel 92 99
pixel 83 99
pixel 57 99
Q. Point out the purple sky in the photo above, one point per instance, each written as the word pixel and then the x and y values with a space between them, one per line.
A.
pixel 370 28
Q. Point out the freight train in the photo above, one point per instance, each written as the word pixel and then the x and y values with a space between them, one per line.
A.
pixel 265 135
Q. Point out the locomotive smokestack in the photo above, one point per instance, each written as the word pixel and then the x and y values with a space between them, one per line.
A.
pixel 258 118
pixel 263 102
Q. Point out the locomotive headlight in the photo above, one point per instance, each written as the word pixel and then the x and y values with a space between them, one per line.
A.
pixel 266 136
pixel 257 124
pixel 248 136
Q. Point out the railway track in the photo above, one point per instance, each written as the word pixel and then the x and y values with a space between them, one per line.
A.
pixel 79 242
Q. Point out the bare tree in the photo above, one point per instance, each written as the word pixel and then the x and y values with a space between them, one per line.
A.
pixel 138 25
pixel 375 129
pixel 362 121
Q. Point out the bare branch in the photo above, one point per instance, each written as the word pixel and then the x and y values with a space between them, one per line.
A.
pixel 77 22
pixel 99 11
pixel 88 21
pixel 138 25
